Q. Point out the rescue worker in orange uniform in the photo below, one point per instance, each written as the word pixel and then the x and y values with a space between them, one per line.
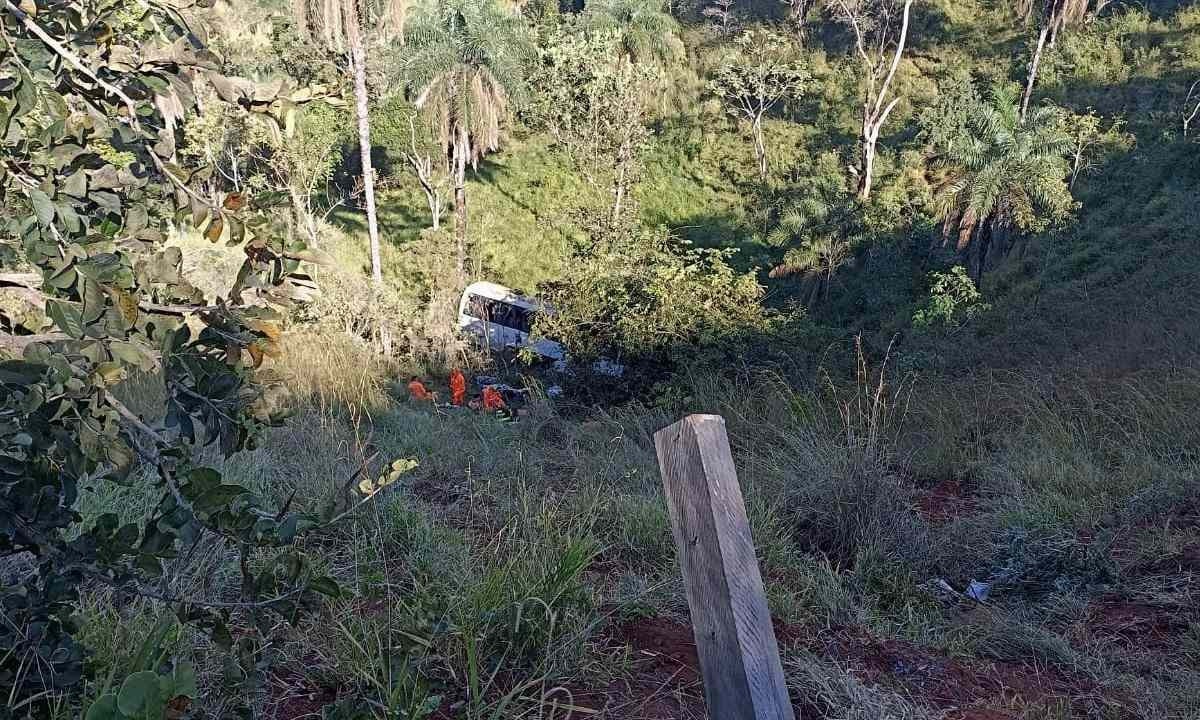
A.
pixel 458 387
pixel 493 401
pixel 417 390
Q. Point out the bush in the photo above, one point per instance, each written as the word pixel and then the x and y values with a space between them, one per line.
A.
pixel 953 300
pixel 644 294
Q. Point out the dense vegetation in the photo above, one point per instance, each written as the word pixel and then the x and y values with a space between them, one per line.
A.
pixel 934 261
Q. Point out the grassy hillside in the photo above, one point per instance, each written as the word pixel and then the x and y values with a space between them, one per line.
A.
pixel 1046 447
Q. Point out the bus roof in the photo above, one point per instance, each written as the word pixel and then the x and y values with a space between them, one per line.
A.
pixel 492 291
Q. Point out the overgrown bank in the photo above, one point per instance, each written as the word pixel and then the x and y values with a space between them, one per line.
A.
pixel 524 568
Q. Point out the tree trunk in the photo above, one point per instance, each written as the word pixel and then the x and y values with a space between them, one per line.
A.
pixel 358 66
pixel 760 147
pixel 1033 69
pixel 620 181
pixel 1075 165
pixel 983 243
pixel 797 9
pixel 867 171
pixel 460 199
pixel 875 112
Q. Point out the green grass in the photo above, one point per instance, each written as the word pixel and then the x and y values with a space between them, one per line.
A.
pixel 488 574
pixel 500 567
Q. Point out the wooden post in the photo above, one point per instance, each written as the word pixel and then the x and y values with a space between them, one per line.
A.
pixel 743 677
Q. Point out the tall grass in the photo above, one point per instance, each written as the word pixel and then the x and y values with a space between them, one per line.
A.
pixel 484 575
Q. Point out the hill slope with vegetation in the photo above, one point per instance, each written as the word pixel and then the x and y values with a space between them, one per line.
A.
pixel 934 262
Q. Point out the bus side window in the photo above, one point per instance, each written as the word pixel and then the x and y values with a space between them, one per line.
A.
pixel 477 307
pixel 522 319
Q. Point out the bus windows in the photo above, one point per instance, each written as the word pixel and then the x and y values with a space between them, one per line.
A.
pixel 500 313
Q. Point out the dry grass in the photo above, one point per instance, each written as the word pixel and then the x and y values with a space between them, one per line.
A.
pixel 495 512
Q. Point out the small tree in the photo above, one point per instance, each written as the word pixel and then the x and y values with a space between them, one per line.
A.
pixel 406 136
pixel 880 29
pixel 1090 140
pixel 756 78
pixel 953 301
pixel 721 12
pixel 597 108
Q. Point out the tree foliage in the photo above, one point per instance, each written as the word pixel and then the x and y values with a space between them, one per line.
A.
pixel 1001 173
pixel 818 228
pixel 953 300
pixel 643 294
pixel 91 179
pixel 468 65
pixel 762 72
pixel 596 108
pixel 646 31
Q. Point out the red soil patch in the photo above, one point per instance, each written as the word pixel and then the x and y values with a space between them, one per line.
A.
pixel 664 674
pixel 1139 624
pixel 944 502
pixel 665 681
pixel 965 690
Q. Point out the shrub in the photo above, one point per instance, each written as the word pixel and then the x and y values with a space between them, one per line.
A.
pixel 953 300
pixel 644 294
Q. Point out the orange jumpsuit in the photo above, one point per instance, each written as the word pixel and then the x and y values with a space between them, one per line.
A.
pixel 417 389
pixel 492 399
pixel 458 387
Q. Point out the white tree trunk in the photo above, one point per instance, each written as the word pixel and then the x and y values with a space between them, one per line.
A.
pixel 867 174
pixel 358 66
pixel 875 111
pixel 760 147
pixel 461 149
pixel 1033 69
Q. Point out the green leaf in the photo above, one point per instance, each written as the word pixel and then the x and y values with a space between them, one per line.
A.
pixel 203 479
pixel 66 318
pixel 326 586
pixel 128 353
pixel 25 94
pixel 139 694
pixel 105 708
pixel 62 279
pixel 185 680
pixel 70 219
pixel 94 301
pixel 43 207
pixel 75 185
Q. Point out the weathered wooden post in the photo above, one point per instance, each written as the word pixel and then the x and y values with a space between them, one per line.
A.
pixel 743 677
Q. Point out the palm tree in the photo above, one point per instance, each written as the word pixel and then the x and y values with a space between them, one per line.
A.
pixel 338 26
pixel 1003 174
pixel 821 227
pixel 647 31
pixel 467 65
